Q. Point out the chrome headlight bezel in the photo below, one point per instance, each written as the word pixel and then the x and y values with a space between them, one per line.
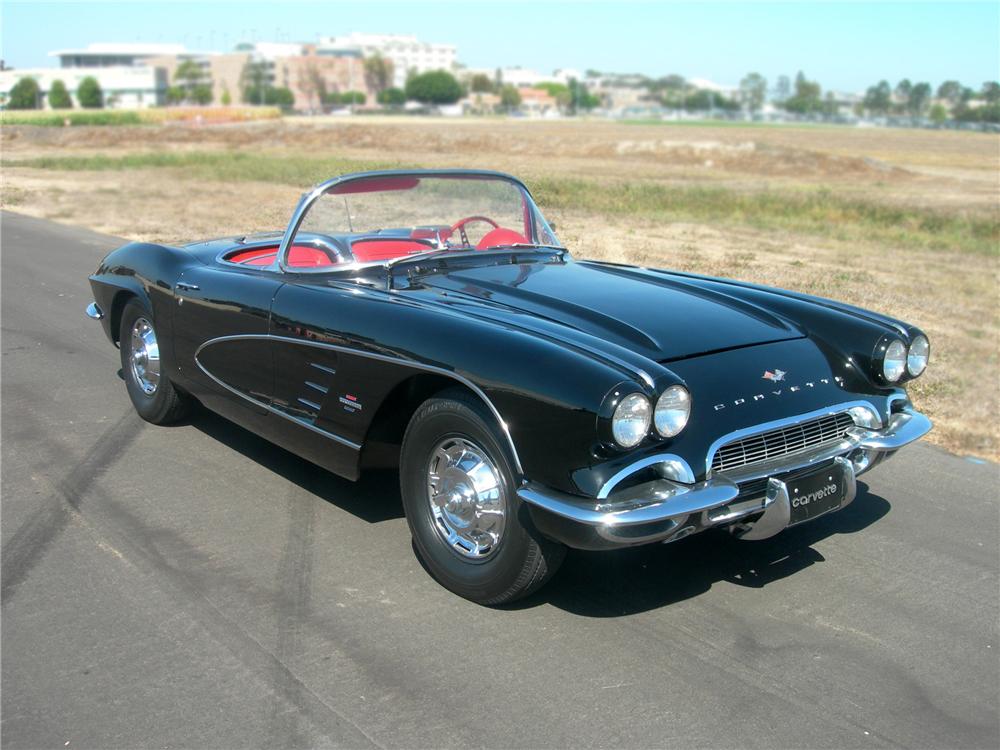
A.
pixel 916 361
pixel 894 360
pixel 631 420
pixel 672 411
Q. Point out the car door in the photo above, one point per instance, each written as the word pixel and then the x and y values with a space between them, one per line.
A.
pixel 221 345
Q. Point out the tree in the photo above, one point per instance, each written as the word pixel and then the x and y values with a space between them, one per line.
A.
pixel 24 94
pixel 580 97
pixel 806 98
pixel 919 99
pixel 753 91
pixel 480 83
pixel 313 85
pixel 558 91
pixel 951 92
pixel 89 93
pixel 253 81
pixel 378 72
pixel 510 97
pixel 59 97
pixel 192 79
pixel 938 114
pixel 175 95
pixel 903 90
pixel 391 97
pixel 202 94
pixel 353 97
pixel 434 87
pixel 990 92
pixel 878 98
pixel 226 99
pixel 829 106
pixel 782 89
pixel 703 99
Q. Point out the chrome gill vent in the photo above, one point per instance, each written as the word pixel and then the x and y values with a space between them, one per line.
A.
pixel 782 441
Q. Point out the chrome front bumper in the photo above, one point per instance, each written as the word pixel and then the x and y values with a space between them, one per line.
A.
pixel 663 510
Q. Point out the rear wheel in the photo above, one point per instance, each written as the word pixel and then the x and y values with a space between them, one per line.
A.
pixel 459 492
pixel 149 387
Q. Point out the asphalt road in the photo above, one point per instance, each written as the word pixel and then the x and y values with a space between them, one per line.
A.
pixel 194 586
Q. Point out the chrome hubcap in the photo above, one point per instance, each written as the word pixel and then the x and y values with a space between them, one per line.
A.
pixel 145 356
pixel 467 498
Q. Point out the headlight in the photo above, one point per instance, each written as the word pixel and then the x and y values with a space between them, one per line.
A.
pixel 894 361
pixel 916 358
pixel 631 420
pixel 672 410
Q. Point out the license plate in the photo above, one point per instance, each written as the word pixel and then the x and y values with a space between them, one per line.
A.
pixel 816 492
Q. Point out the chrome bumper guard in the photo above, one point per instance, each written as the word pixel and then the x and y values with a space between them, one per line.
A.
pixel 663 510
pixel 94 311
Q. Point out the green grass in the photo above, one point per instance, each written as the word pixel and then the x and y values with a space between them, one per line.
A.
pixel 818 212
pixel 59 119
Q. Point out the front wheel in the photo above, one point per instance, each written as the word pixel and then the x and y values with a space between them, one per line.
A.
pixel 149 387
pixel 458 489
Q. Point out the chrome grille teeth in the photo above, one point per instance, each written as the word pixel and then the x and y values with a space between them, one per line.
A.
pixel 782 441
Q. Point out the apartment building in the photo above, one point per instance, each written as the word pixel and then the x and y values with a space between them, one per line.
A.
pixel 407 53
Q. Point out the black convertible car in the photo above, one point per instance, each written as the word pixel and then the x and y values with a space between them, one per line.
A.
pixel 432 320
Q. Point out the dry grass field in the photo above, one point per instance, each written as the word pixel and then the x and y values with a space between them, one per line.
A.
pixel 905 222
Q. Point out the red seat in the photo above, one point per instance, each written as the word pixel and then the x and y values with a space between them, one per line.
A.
pixel 368 251
pixel 299 256
pixel 500 236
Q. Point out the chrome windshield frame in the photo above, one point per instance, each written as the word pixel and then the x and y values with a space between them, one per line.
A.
pixel 307 199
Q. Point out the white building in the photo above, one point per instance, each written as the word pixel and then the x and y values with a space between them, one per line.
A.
pixel 124 87
pixel 107 55
pixel 407 53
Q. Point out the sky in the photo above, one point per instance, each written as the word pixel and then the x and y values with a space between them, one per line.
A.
pixel 845 46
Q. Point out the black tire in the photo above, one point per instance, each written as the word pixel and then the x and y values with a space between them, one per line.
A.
pixel 522 560
pixel 165 404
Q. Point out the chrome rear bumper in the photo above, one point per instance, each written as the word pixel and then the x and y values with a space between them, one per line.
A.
pixel 663 510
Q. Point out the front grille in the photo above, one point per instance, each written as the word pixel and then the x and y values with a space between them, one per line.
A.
pixel 781 441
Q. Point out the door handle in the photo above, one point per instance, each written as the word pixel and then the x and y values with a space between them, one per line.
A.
pixel 185 286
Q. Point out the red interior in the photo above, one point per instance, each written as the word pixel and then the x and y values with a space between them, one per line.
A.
pixel 500 236
pixel 366 251
pixel 300 256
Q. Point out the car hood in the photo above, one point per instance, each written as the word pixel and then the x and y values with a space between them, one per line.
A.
pixel 663 318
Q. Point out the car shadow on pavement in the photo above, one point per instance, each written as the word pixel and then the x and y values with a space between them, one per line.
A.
pixel 591 584
pixel 374 498
pixel 629 581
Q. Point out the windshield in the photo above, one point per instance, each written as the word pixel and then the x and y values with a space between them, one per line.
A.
pixel 386 216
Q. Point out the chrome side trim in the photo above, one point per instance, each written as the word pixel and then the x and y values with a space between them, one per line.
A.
pixel 94 311
pixel 323 368
pixel 300 422
pixel 316 386
pixel 679 464
pixel 774 424
pixel 369 355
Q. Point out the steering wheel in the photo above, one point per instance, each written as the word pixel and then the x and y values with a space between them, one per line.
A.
pixel 460 226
